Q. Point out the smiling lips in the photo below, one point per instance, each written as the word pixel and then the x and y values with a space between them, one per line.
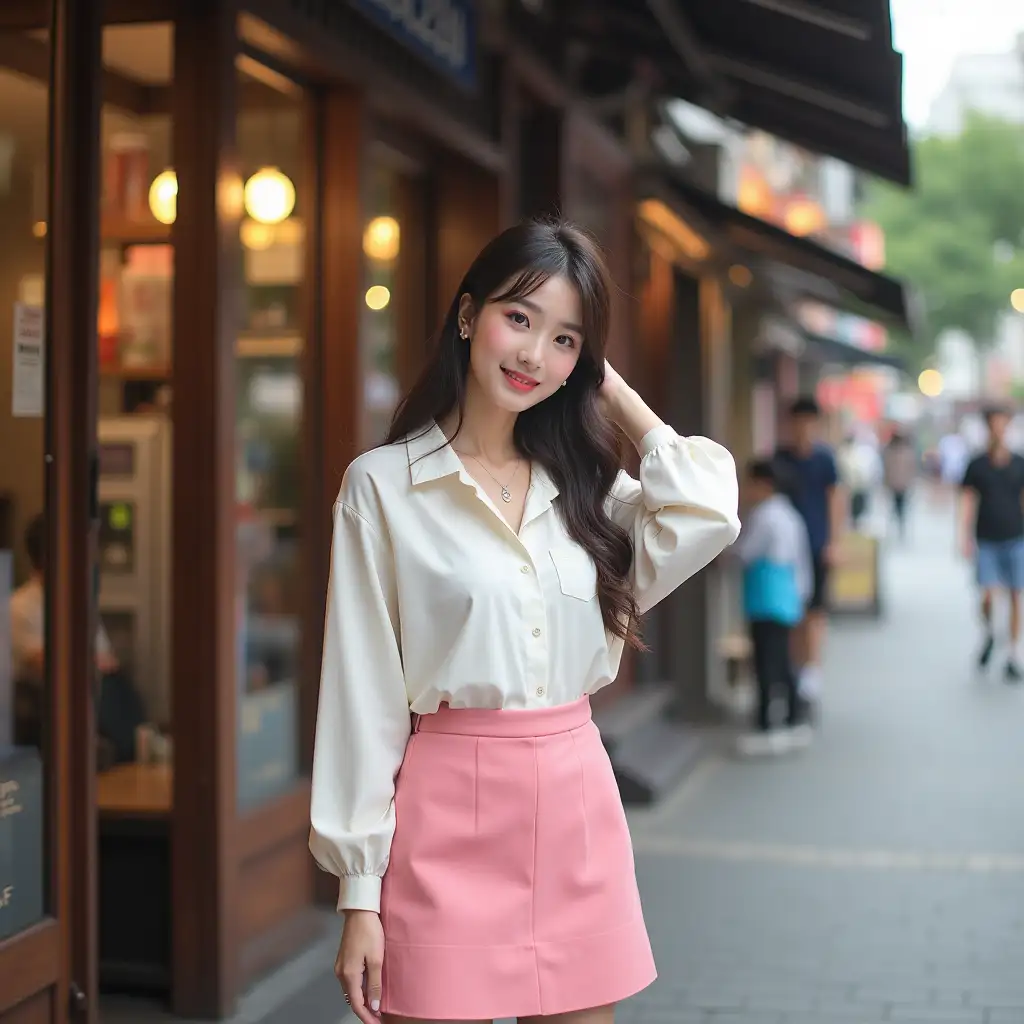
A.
pixel 519 380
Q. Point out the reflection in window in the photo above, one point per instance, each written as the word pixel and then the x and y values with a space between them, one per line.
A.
pixel 268 432
pixel 382 240
pixel 24 708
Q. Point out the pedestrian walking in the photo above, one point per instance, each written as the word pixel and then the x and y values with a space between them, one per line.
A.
pixel 953 454
pixel 991 523
pixel 858 466
pixel 821 501
pixel 778 580
pixel 489 564
pixel 899 471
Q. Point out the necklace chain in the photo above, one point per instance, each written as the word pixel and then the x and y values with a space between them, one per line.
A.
pixel 506 494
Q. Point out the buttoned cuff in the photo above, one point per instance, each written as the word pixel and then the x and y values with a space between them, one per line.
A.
pixel 655 438
pixel 359 892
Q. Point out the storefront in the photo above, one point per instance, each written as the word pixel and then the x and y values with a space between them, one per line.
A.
pixel 229 231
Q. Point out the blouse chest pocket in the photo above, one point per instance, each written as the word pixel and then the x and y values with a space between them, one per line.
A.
pixel 577 574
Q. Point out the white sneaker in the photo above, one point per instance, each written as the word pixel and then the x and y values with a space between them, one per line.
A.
pixel 763 744
pixel 809 686
pixel 800 737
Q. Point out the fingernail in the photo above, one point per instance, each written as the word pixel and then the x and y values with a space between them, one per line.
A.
pixel 375 1005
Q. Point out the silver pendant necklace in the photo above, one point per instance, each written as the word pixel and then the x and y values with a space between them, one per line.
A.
pixel 506 494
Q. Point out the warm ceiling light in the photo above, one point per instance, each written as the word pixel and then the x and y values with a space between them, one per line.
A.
pixel 163 197
pixel 377 297
pixel 805 217
pixel 39 229
pixel 382 239
pixel 1017 299
pixel 754 196
pixel 659 216
pixel 269 196
pixel 740 275
pixel 930 383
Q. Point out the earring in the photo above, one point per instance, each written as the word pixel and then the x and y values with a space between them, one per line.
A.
pixel 564 382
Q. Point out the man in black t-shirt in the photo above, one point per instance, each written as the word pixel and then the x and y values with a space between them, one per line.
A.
pixel 992 531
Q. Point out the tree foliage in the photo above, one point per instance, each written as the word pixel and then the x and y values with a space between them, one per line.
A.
pixel 958 236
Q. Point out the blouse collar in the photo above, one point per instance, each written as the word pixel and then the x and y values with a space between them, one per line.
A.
pixel 431 457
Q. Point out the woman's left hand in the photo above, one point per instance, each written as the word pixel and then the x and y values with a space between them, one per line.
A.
pixel 611 390
pixel 624 407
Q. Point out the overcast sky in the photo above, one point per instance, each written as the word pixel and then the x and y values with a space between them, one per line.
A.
pixel 931 33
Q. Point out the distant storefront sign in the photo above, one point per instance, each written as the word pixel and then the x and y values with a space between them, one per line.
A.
pixel 442 32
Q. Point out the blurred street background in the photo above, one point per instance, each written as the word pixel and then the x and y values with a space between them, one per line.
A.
pixel 230 229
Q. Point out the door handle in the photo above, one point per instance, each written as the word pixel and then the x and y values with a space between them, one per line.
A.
pixel 78 1001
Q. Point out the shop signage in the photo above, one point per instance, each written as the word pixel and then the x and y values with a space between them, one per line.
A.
pixel 21 840
pixel 443 32
pixel 855 584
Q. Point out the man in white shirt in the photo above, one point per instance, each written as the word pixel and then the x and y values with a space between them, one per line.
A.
pixel 28 623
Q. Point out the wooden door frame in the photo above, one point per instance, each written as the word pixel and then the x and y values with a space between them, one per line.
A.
pixel 41 963
pixel 206 240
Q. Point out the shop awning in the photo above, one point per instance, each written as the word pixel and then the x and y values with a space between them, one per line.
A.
pixel 842 353
pixel 819 73
pixel 856 288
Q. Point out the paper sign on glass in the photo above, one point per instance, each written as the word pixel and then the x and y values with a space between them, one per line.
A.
pixel 28 381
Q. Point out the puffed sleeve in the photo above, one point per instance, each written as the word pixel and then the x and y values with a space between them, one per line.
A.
pixel 363 722
pixel 681 513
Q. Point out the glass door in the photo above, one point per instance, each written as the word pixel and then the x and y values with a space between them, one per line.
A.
pixel 133 793
pixel 47 394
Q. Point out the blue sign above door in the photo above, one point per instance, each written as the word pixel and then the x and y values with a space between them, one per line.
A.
pixel 442 32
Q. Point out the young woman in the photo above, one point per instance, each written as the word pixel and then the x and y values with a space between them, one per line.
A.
pixel 489 564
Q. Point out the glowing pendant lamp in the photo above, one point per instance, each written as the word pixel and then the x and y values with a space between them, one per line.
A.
pixel 269 196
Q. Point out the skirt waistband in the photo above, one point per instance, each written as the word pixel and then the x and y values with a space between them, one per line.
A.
pixel 505 723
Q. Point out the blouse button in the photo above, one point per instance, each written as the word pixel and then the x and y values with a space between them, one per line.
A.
pixel 540 691
pixel 525 570
pixel 536 631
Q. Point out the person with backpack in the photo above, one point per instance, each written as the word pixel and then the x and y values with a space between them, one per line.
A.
pixel 777 583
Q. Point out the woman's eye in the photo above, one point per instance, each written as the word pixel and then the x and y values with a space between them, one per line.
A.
pixel 520 319
pixel 566 341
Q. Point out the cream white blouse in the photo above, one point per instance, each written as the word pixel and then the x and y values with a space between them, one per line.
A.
pixel 433 598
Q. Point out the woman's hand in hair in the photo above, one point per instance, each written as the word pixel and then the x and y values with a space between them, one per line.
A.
pixel 612 389
pixel 625 407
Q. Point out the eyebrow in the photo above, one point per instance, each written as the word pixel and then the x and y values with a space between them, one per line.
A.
pixel 536 309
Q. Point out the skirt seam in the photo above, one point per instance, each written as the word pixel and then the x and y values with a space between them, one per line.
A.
pixel 583 800
pixel 476 787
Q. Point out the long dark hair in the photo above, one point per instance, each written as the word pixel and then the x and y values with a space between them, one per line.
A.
pixel 566 434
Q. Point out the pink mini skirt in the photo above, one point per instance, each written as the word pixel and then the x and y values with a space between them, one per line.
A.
pixel 511 890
